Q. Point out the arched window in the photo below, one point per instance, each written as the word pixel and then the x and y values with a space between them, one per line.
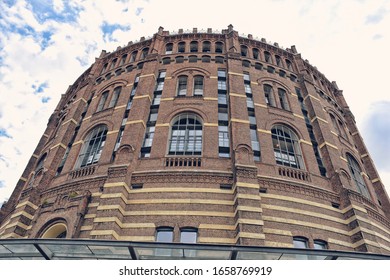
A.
pixel 58 230
pixel 92 148
pixel 356 173
pixel 40 162
pixel 258 66
pixel 179 59
pixel 283 99
pixel 269 95
pixel 244 50
pixel 219 59
pixel 102 101
pixel 286 147
pixel 144 53
pixel 206 46
pixel 206 58
pixel 181 47
pixel 133 56
pixel 198 85
pixel 246 63
pixel 193 59
pixel 267 57
pixel 104 68
pixel 115 97
pixel 194 46
pixel 166 60
pixel 278 61
pixel 113 63
pixel 123 59
pixel 219 47
pixel 338 126
pixel 168 48
pixel 186 135
pixel 256 53
pixel 289 65
pixel 182 86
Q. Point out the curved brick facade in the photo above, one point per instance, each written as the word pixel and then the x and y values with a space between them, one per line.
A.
pixel 235 139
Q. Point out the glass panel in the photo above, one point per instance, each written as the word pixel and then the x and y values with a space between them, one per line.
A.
pixel 21 248
pixel 258 256
pixel 110 251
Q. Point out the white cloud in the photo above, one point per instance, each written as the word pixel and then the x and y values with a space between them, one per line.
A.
pixel 344 48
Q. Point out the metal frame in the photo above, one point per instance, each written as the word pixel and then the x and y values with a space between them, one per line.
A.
pixel 89 249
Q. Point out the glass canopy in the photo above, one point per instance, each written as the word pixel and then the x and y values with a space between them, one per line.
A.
pixel 62 249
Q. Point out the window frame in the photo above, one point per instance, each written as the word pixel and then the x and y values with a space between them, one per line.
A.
pixel 93 146
pixel 185 137
pixel 286 147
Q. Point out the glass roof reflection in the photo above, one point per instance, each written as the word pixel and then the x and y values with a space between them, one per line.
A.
pixel 28 249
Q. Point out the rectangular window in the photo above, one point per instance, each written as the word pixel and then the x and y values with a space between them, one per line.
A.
pixel 162 74
pixel 156 99
pixel 249 102
pixel 221 85
pixel 153 117
pixel 248 88
pixel 160 86
pixel 221 73
pixel 222 99
pixel 188 235
pixel 149 134
pixel 223 136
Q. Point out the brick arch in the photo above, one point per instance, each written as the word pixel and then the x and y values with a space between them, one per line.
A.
pixel 285 122
pixel 110 86
pixel 85 133
pixel 272 81
pixel 50 224
pixel 187 71
pixel 188 109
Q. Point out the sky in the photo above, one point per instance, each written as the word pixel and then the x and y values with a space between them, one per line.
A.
pixel 45 45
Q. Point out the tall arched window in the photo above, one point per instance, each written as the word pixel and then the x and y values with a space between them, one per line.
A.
pixel 92 148
pixel 206 46
pixel 286 147
pixel 182 86
pixel 256 53
pixel 267 57
pixel 115 97
pixel 269 95
pixel 194 46
pixel 219 47
pixel 102 101
pixel 356 173
pixel 186 135
pixel 168 48
pixel 198 85
pixel 244 50
pixel 133 56
pixel 144 53
pixel 40 162
pixel 181 47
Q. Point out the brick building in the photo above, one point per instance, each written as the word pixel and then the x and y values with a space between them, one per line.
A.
pixel 203 137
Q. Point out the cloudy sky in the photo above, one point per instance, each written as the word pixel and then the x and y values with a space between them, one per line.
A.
pixel 46 44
